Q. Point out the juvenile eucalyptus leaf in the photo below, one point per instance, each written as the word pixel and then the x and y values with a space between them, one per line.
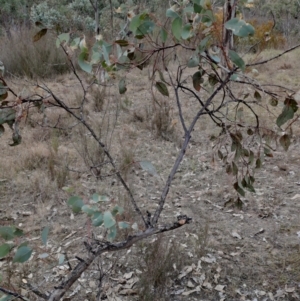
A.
pixel 4 250
pixel 285 141
pixel 39 34
pixel 97 219
pixel 239 189
pixel 135 23
pixel 64 37
pixel 212 79
pixel 3 95
pixel 108 219
pixel 208 17
pixel 177 28
pixel 189 9
pixel 234 77
pixel 239 27
pixel 268 152
pixel 96 57
pixel 123 225
pixel 246 152
pixel 112 233
pixel 6 232
pixel 234 169
pixel 287 114
pixel 44 235
pixel 171 13
pixel 76 203
pixel 257 96
pixel 7 115
pixel 251 157
pixel 117 210
pixel 122 86
pixel 161 76
pixel 187 31
pixel 148 166
pixel 238 151
pixel 197 80
pixel 250 187
pixel 7 298
pixel 204 44
pixel 18 232
pixel 88 210
pixel 163 35
pixel 99 198
pixel 83 63
pixel 193 61
pixel 197 8
pixel 75 43
pixel 258 163
pixel 236 59
pixel 145 28
pixel 122 43
pixel 162 88
pixel 23 254
pixel 290 101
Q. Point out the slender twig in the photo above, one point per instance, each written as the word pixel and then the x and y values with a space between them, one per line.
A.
pixel 175 87
pixel 36 291
pixel 209 112
pixel 183 150
pixel 274 57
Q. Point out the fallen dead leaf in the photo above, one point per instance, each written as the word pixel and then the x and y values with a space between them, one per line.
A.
pixel 220 288
pixel 197 289
pixel 128 275
pixel 235 234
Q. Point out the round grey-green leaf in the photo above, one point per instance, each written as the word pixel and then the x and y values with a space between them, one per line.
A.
pixel 23 254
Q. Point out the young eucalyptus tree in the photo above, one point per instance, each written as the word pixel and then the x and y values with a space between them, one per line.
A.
pixel 217 73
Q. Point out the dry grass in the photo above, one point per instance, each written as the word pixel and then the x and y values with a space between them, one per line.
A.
pixel 160 263
pixel 42 59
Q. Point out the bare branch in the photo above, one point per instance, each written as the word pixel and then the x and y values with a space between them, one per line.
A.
pixel 274 57
pixel 183 150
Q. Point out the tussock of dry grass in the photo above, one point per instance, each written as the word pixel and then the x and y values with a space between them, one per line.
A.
pixel 42 59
